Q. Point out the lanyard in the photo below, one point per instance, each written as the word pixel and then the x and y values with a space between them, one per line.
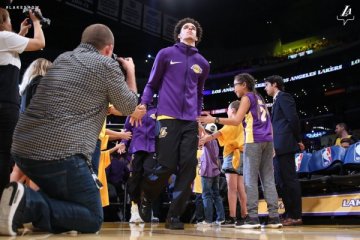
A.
pixel 98 184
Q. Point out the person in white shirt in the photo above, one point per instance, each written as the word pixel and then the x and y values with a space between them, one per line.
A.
pixel 11 45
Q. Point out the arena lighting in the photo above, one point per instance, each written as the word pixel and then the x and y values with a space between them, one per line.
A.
pixel 300 54
pixel 289 79
pixel 334 92
pixel 218 111
pixel 321 128
pixel 315 134
pixel 224 110
pixel 357 61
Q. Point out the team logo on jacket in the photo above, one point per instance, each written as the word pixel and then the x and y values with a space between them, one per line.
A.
pixel 298 159
pixel 357 152
pixel 163 132
pixel 326 156
pixel 196 68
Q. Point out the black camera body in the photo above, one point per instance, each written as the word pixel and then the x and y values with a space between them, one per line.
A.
pixel 114 56
pixel 45 22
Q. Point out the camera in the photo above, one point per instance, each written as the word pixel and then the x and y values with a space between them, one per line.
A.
pixel 115 56
pixel 45 22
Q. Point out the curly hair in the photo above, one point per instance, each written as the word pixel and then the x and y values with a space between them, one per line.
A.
pixel 180 24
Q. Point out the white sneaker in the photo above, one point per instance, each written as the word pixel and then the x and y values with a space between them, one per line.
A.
pixel 204 224
pixel 135 216
pixel 11 207
pixel 218 223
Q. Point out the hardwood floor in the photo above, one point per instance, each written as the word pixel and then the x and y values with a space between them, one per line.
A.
pixel 157 231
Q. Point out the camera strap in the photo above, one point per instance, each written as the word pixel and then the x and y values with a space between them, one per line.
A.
pixel 98 184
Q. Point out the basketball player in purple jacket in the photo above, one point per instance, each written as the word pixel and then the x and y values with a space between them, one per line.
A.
pixel 177 69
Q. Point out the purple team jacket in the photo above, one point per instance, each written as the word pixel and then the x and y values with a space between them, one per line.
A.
pixel 209 160
pixel 178 76
pixel 143 137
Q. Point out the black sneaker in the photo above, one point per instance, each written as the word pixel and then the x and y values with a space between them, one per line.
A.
pixel 155 220
pixel 240 222
pixel 273 222
pixel 250 223
pixel 230 222
pixel 145 208
pixel 12 205
pixel 174 223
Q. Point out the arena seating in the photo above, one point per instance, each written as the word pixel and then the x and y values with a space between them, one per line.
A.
pixel 331 169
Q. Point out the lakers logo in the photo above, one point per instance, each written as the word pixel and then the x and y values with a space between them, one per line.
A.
pixel 196 68
pixel 163 132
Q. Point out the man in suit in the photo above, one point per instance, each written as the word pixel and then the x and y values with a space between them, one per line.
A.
pixel 287 141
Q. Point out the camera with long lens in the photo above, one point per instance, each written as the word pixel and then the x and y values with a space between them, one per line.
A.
pixel 115 56
pixel 45 22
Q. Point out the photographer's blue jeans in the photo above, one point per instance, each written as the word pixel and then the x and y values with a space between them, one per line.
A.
pixel 68 198
pixel 211 195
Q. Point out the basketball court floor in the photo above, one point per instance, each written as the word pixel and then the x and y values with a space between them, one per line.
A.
pixel 120 231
